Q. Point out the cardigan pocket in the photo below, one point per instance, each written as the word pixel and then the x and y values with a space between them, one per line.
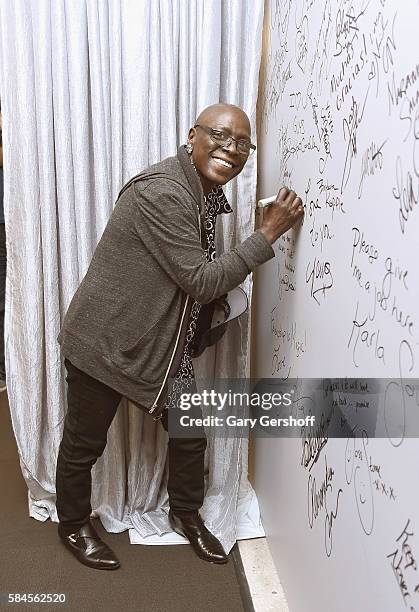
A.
pixel 148 357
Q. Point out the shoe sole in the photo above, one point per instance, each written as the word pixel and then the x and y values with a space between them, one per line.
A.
pixel 80 559
pixel 183 534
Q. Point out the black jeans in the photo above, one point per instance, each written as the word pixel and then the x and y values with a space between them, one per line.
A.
pixel 3 263
pixel 91 408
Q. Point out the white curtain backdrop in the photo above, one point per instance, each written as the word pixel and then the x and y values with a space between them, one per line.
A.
pixel 92 92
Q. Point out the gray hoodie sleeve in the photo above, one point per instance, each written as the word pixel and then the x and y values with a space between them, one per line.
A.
pixel 166 221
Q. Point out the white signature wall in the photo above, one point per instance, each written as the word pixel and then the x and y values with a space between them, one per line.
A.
pixel 339 108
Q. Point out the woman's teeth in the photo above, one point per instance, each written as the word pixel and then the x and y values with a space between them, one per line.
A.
pixel 221 162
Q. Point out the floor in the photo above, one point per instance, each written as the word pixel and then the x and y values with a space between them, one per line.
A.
pixel 152 578
pixel 263 582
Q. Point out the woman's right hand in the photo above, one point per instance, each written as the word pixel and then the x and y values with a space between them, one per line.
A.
pixel 281 215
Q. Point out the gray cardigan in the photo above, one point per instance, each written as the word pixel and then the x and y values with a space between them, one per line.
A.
pixel 125 325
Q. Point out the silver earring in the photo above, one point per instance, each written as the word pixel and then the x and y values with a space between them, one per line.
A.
pixel 189 148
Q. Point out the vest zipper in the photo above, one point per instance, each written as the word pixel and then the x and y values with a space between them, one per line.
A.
pixel 154 406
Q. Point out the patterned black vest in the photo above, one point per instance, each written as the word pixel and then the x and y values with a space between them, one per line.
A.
pixel 215 204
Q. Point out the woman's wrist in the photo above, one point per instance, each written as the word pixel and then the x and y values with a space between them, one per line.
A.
pixel 268 235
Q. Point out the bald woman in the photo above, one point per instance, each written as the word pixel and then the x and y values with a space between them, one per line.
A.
pixel 132 322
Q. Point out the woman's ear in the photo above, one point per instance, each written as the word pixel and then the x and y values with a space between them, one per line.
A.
pixel 191 135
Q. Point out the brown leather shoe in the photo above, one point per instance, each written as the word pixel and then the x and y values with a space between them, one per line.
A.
pixel 205 544
pixel 89 549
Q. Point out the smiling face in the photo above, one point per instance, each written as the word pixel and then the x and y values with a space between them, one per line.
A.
pixel 217 164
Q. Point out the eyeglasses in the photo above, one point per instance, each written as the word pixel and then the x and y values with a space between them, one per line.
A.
pixel 243 146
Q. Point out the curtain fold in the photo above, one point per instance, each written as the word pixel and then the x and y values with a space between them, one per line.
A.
pixel 93 91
